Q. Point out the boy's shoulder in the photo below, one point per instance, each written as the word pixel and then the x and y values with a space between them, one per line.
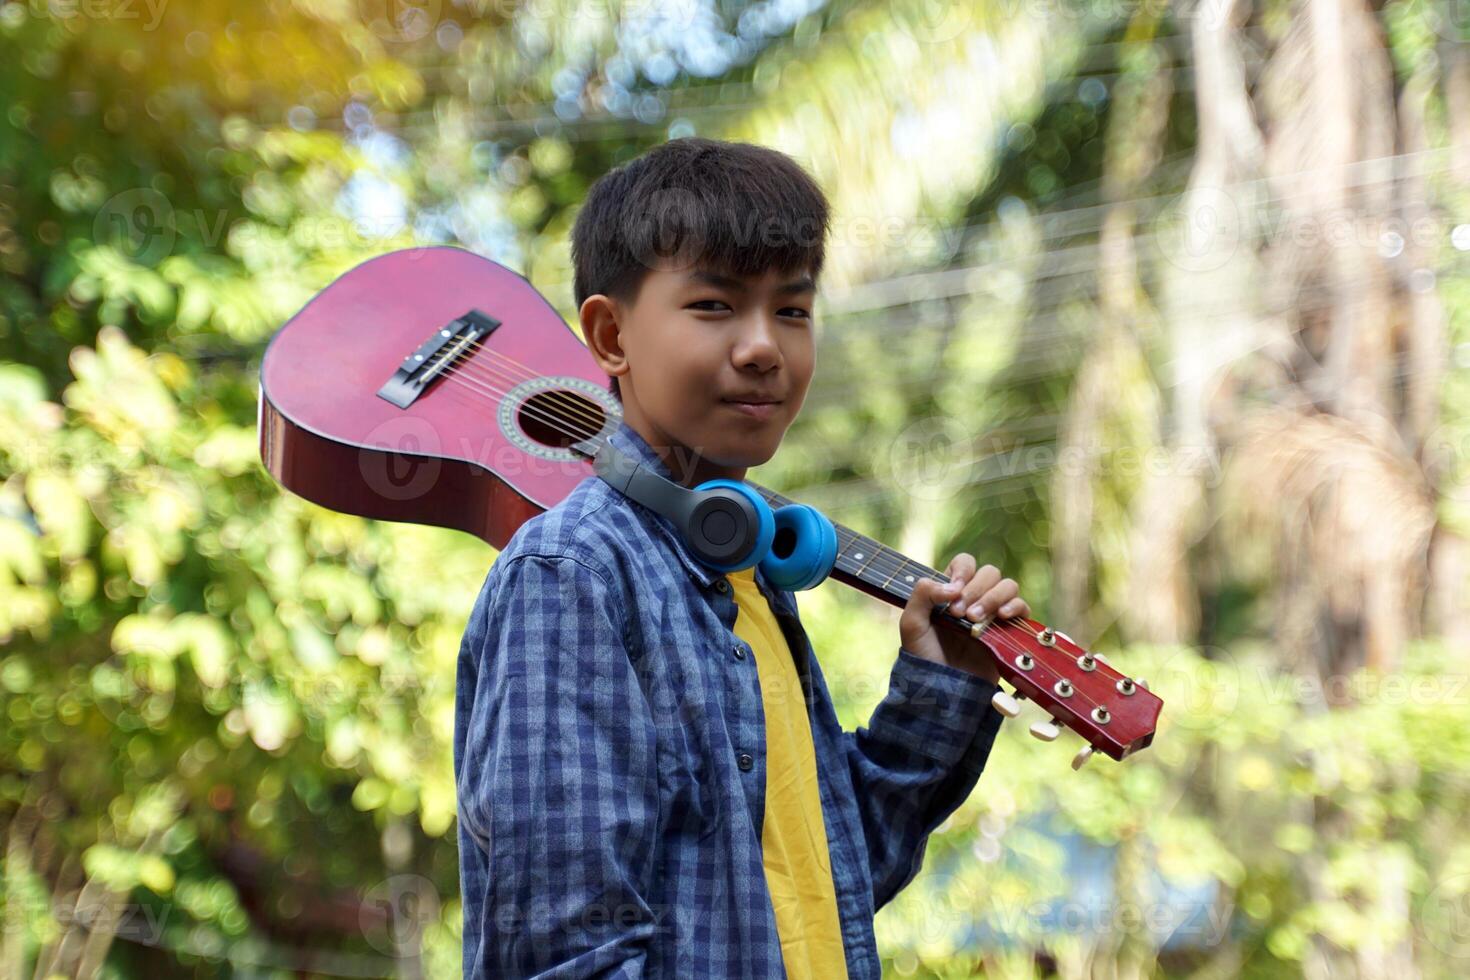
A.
pixel 579 527
pixel 634 549
pixel 624 543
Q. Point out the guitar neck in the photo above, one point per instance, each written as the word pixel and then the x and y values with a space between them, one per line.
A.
pixel 865 564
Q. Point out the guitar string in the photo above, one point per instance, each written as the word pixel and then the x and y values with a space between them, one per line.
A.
pixel 994 629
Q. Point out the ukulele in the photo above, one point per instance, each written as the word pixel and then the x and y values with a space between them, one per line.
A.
pixel 434 386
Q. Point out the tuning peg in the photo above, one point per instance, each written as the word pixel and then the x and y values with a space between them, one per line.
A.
pixel 1005 704
pixel 1142 683
pixel 1080 759
pixel 1047 731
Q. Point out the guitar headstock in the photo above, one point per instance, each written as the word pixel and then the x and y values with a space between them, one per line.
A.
pixel 1114 713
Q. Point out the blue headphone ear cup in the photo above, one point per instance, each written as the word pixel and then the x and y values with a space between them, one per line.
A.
pixel 765 529
pixel 809 545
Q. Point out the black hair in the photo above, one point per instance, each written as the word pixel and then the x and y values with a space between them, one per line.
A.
pixel 735 208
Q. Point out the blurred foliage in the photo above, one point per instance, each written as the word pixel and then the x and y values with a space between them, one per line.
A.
pixel 227 712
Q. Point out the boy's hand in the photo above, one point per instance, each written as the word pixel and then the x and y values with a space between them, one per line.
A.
pixel 977 593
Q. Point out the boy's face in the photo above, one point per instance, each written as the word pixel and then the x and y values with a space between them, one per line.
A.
pixel 708 364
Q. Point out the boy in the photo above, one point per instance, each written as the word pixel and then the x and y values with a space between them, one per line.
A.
pixel 652 780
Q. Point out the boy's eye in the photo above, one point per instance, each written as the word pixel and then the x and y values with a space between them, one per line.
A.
pixel 716 306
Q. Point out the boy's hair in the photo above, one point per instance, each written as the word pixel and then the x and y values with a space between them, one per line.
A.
pixel 736 208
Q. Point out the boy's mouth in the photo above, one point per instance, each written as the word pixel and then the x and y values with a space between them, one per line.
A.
pixel 756 407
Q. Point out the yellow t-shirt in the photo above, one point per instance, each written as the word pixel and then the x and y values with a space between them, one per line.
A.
pixel 793 837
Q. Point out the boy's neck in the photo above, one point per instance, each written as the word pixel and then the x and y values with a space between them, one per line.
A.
pixel 686 466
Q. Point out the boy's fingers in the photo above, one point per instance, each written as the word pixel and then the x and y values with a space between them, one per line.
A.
pixel 1004 592
pixel 1016 607
pixel 980 591
pixel 976 587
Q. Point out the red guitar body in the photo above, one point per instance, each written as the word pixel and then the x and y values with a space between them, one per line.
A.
pixel 327 436
pixel 434 386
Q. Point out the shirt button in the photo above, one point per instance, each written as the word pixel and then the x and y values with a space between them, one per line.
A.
pixel 739 653
pixel 722 586
pixel 745 762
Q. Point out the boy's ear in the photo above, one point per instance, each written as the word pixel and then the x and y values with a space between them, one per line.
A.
pixel 601 318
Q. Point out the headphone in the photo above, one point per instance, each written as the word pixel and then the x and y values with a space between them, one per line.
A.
pixel 728 525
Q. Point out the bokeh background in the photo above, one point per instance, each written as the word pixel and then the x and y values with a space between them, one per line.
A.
pixel 1159 306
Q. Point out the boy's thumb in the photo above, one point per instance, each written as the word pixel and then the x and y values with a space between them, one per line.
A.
pixel 929 593
pixel 915 621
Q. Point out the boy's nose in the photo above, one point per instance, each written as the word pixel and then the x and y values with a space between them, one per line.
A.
pixel 758 347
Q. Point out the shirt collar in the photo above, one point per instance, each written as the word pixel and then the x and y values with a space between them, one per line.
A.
pixel 627 441
pixel 631 444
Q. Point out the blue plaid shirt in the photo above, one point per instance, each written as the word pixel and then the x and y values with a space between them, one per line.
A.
pixel 609 756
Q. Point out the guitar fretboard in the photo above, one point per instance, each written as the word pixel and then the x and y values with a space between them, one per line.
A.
pixel 872 564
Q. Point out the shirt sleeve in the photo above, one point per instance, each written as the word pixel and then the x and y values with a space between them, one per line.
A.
pixel 558 787
pixel 916 761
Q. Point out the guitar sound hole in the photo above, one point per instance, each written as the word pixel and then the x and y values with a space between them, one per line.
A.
pixel 559 418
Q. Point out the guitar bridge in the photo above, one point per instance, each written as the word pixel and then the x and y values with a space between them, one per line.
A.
pixel 434 356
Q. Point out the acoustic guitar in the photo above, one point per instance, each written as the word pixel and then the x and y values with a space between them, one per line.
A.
pixel 434 386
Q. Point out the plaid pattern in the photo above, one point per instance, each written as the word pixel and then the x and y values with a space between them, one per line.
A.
pixel 610 767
